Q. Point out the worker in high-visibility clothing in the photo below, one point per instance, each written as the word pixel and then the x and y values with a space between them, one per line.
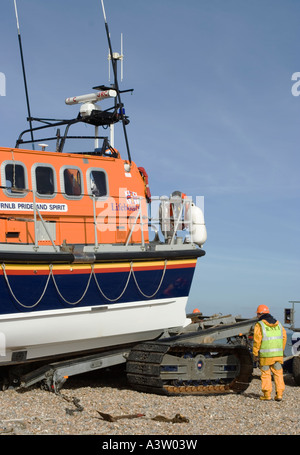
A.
pixel 269 341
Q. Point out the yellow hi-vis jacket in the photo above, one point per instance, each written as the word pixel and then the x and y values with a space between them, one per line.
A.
pixel 258 340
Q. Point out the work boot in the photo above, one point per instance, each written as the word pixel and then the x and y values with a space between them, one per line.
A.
pixel 265 397
pixel 278 397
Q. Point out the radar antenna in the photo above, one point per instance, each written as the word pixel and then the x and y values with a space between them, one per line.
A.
pixel 116 84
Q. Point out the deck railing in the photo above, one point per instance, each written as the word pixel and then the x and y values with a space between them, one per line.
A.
pixel 165 216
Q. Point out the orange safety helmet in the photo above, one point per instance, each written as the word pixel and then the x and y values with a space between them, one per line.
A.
pixel 262 309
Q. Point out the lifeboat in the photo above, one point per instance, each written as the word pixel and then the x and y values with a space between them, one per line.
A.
pixel 83 265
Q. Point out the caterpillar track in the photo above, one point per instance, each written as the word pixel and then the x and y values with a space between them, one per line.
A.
pixel 189 369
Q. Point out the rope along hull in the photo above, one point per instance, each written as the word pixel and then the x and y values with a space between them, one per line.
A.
pixel 50 287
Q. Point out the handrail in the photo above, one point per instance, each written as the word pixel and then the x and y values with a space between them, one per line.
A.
pixel 95 223
pixel 171 219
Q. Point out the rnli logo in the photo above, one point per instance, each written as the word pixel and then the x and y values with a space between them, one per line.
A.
pixel 130 202
pixel 113 214
pixel 132 197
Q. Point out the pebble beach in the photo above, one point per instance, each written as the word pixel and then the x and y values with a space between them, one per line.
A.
pixel 104 404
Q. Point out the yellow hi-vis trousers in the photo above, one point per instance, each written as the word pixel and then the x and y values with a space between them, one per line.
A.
pixel 266 379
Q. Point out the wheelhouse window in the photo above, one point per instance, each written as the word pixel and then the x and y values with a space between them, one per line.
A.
pixel 44 178
pixel 98 183
pixel 72 182
pixel 15 178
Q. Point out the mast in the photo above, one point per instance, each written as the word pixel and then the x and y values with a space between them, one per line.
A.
pixel 24 74
pixel 116 84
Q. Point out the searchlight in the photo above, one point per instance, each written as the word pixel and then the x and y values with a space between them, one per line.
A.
pixel 91 97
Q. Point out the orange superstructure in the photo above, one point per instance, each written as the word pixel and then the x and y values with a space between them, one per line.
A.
pixel 75 198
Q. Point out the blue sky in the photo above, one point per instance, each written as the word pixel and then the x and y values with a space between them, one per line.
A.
pixel 212 114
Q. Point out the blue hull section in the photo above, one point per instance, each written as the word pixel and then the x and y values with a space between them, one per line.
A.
pixel 36 291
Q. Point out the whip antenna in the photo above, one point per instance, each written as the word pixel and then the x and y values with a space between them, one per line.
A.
pixel 117 56
pixel 24 74
pixel 116 85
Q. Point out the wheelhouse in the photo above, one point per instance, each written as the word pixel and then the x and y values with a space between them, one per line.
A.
pixel 90 200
